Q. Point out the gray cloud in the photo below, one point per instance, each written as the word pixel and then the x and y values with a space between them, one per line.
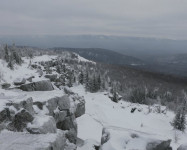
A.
pixel 155 18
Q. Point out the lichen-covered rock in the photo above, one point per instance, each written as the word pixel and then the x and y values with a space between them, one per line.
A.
pixel 20 121
pixel 19 81
pixel 44 85
pixel 182 147
pixel 159 145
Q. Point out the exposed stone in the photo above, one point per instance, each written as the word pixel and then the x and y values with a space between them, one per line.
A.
pixel 159 145
pixel 5 85
pixel 69 124
pixel 68 91
pixel 44 85
pixel 40 72
pixel 63 104
pixel 52 77
pixel 60 115
pixel 80 108
pixel 20 121
pixel 21 141
pixel 19 81
pixel 105 136
pixel 30 78
pixel 47 126
pixel 39 104
pixel 5 115
pixel 26 104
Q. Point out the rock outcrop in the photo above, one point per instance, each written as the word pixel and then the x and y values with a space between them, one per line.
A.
pixel 5 85
pixel 44 85
pixel 19 81
pixel 159 145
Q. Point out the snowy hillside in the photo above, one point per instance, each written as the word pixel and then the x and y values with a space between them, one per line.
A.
pixel 59 102
pixel 127 130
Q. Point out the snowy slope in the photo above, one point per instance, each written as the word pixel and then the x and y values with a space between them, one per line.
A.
pixel 121 123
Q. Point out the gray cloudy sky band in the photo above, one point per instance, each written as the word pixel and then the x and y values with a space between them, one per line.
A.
pixel 152 18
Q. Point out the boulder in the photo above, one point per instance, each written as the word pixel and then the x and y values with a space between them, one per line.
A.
pixel 26 104
pixel 5 85
pixel 69 124
pixel 44 85
pixel 43 125
pixel 182 147
pixel 159 145
pixel 60 115
pixel 30 78
pixel 71 135
pixel 105 136
pixel 20 121
pixel 80 108
pixel 51 77
pixel 58 103
pixel 22 141
pixel 19 81
pixel 39 104
pixel 40 72
pixel 4 115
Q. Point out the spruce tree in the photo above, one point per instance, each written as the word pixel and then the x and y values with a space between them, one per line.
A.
pixel 10 63
pixel 179 121
pixel 6 57
pixel 81 78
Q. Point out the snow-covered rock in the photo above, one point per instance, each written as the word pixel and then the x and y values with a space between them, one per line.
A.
pixel 42 125
pixel 58 103
pixel 20 121
pixel 44 85
pixel 19 81
pixel 24 141
pixel 159 145
pixel 52 77
pixel 5 85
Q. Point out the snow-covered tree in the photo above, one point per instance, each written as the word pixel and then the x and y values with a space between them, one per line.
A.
pixel 6 57
pixel 179 121
pixel 81 77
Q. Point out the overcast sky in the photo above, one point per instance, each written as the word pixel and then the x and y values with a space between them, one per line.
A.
pixel 150 18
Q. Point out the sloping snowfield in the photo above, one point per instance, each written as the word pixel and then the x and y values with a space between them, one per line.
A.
pixel 128 130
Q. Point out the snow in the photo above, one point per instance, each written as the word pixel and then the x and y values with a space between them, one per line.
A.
pixel 101 113
pixel 80 58
pixel 87 124
pixel 23 141
pixel 121 123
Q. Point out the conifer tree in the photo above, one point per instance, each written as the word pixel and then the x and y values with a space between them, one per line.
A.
pixel 179 121
pixel 81 78
pixel 6 57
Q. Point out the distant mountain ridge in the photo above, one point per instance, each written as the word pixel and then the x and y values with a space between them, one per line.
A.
pixel 104 56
